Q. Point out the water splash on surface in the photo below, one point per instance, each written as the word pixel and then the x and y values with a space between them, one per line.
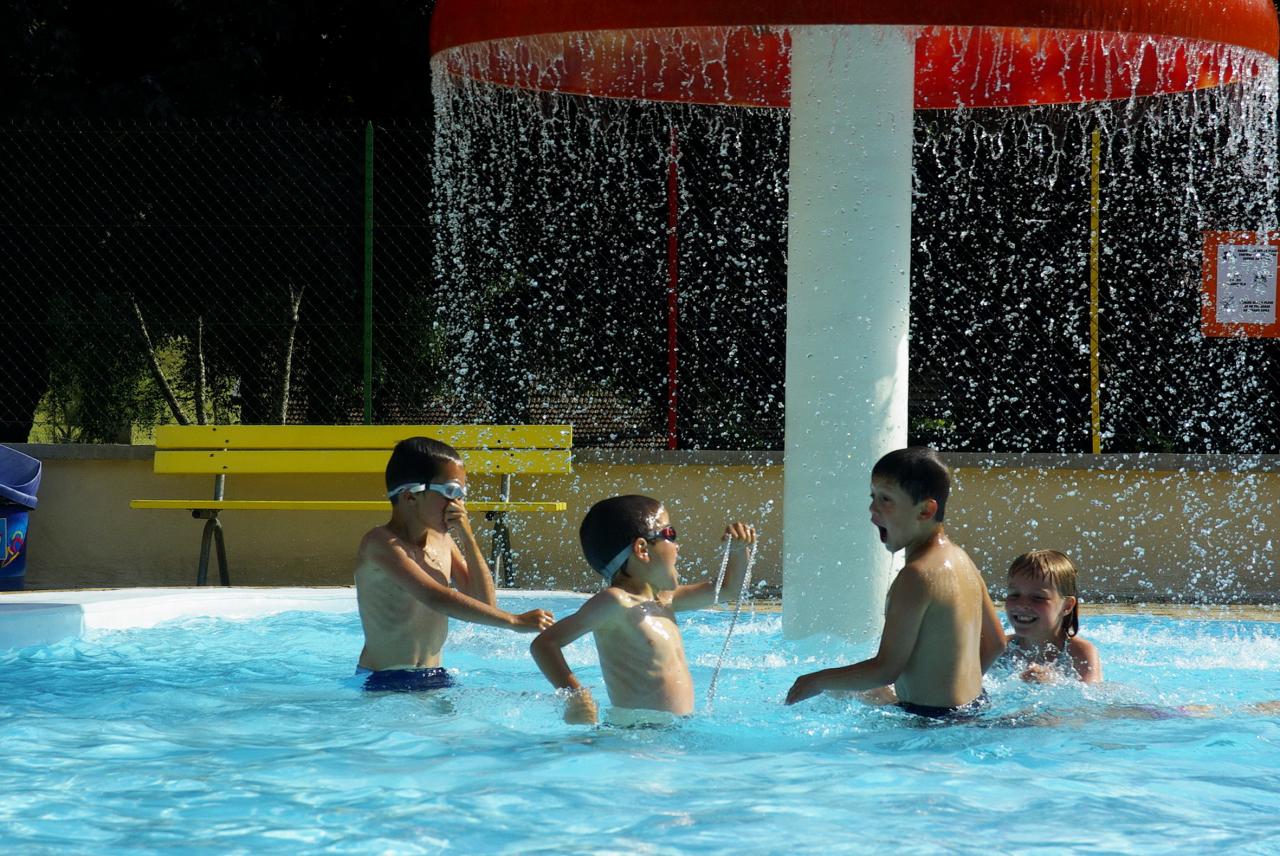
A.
pixel 743 592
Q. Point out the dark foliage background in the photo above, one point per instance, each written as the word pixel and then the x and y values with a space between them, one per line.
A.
pixel 201 164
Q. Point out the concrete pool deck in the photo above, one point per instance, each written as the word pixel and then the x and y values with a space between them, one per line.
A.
pixel 45 617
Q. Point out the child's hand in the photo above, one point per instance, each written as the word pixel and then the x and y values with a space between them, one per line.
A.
pixel 878 696
pixel 533 621
pixel 806 686
pixel 580 708
pixel 742 535
pixel 1039 673
pixel 455 516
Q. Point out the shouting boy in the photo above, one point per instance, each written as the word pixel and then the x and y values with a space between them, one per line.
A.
pixel 941 629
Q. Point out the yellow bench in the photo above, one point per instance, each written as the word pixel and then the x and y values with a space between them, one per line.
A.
pixel 246 450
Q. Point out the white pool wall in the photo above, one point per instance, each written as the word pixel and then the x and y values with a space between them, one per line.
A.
pixel 45 617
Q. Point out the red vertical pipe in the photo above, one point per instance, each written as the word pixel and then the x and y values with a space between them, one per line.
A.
pixel 673 281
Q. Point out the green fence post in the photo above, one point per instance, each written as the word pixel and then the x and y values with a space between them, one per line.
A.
pixel 368 273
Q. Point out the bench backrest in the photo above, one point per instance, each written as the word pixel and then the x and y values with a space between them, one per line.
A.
pixel 277 449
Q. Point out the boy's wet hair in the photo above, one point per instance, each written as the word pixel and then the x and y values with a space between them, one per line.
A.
pixel 418 459
pixel 920 473
pixel 611 524
pixel 1058 571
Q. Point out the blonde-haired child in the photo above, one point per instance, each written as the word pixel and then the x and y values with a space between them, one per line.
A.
pixel 1043 608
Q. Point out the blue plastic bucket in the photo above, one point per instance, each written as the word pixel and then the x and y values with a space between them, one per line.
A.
pixel 13 542
pixel 19 481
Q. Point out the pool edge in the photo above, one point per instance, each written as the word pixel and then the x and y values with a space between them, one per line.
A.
pixel 45 617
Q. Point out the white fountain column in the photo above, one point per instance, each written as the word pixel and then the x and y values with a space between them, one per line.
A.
pixel 848 260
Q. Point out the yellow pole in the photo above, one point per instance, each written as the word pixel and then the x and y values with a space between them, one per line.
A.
pixel 1094 401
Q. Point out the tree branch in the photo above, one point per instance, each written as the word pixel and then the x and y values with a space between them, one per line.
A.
pixel 295 302
pixel 201 379
pixel 156 371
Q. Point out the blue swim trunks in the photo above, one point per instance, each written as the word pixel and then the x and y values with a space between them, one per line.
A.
pixel 959 713
pixel 405 680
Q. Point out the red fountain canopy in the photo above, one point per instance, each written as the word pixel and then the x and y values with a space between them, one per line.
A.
pixel 1001 53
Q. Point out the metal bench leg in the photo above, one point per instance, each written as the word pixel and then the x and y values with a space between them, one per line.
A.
pixel 213 531
pixel 224 573
pixel 209 538
pixel 206 540
pixel 500 562
pixel 500 557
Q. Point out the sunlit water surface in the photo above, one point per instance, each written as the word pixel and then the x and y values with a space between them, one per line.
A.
pixel 216 736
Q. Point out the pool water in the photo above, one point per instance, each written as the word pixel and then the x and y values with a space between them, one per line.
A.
pixel 210 735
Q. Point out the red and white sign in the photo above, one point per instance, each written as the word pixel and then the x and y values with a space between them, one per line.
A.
pixel 1238 293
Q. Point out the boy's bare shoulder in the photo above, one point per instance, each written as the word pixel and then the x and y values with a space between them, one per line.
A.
pixel 914 584
pixel 608 594
pixel 934 572
pixel 943 558
pixel 599 610
pixel 925 568
pixel 376 539
pixel 914 573
pixel 606 601
pixel 380 551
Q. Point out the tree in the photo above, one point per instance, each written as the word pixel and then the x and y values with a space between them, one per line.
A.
pixel 161 61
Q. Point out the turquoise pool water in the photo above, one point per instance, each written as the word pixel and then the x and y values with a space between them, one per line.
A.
pixel 209 735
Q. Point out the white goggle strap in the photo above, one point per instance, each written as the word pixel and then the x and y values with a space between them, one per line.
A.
pixel 413 487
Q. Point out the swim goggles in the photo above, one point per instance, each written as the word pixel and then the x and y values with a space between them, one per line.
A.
pixel 666 533
pixel 449 490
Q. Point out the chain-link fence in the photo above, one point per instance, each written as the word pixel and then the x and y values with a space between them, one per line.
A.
pixel 200 271
pixel 215 272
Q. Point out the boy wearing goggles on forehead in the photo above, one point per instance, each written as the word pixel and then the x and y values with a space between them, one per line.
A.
pixel 411 577
pixel 629 540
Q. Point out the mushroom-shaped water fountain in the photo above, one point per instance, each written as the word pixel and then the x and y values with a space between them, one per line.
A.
pixel 851 73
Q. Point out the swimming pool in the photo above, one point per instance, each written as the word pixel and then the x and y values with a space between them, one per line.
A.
pixel 215 735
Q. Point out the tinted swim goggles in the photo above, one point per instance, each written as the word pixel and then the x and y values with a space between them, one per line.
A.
pixel 449 489
pixel 666 533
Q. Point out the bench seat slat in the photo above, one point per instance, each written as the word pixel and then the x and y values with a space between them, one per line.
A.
pixel 381 437
pixel 267 462
pixel 324 505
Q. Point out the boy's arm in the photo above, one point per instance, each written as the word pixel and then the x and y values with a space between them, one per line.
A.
pixel 703 594
pixel 547 650
pixel 470 572
pixel 384 552
pixel 908 600
pixel 993 641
